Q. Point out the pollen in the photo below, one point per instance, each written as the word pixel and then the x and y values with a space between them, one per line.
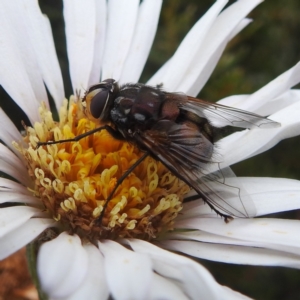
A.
pixel 73 180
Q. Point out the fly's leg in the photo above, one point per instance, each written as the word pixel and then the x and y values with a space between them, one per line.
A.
pixel 98 221
pixel 111 130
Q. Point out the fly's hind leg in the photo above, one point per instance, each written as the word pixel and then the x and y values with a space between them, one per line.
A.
pixel 98 221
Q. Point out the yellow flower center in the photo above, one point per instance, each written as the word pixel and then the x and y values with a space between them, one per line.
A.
pixel 74 179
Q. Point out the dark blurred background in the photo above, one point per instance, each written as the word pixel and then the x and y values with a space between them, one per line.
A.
pixel 266 48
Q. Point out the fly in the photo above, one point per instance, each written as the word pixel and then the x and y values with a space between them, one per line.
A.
pixel 176 129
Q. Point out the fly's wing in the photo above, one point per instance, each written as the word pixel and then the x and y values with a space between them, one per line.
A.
pixel 180 148
pixel 221 115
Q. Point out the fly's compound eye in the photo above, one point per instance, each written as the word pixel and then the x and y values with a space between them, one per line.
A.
pixel 98 101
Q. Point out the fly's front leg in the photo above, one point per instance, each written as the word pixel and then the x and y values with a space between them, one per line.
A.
pixel 111 130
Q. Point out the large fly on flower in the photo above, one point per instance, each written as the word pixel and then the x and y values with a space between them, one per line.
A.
pixel 176 129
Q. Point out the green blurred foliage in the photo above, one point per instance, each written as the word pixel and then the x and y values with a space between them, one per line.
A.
pixel 266 48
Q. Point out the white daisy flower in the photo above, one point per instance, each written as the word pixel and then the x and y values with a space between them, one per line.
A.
pixel 59 190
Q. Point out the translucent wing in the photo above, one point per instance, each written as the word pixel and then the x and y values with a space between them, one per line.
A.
pixel 221 115
pixel 180 148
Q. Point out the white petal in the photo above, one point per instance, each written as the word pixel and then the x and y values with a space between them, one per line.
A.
pixel 211 238
pixel 194 279
pixel 188 51
pixel 9 132
pixel 129 274
pixel 234 254
pixel 21 198
pixel 206 237
pixel 20 75
pixel 122 16
pixel 159 77
pixel 268 106
pixel 99 44
pixel 7 185
pixel 214 59
pixel 40 34
pixel 247 143
pixel 271 195
pixel 80 20
pixel 274 89
pixel 13 166
pixel 94 285
pixel 221 31
pixel 23 235
pixel 62 265
pixel 267 231
pixel 144 34
pixel 13 217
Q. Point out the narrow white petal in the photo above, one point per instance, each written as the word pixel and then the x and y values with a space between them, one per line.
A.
pixel 234 100
pixel 274 105
pixel 122 16
pixel 221 31
pixel 211 63
pixel 129 274
pixel 40 35
pixel 94 285
pixel 80 20
pixel 9 157
pixel 7 185
pixel 13 166
pixel 271 195
pixel 21 35
pixel 9 132
pixel 62 265
pixel 269 105
pixel 144 34
pixel 188 51
pixel 273 89
pixel 273 231
pixel 14 217
pixel 6 197
pixel 99 44
pixel 206 237
pixel 195 280
pixel 247 143
pixel 15 173
pixel 234 254
pixel 23 235
pixel 19 75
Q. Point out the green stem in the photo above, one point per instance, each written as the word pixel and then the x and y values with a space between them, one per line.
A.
pixel 31 253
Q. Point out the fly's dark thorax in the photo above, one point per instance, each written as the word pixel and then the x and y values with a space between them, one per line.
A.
pixel 137 107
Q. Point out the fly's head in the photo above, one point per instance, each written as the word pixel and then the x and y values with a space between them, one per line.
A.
pixel 98 100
